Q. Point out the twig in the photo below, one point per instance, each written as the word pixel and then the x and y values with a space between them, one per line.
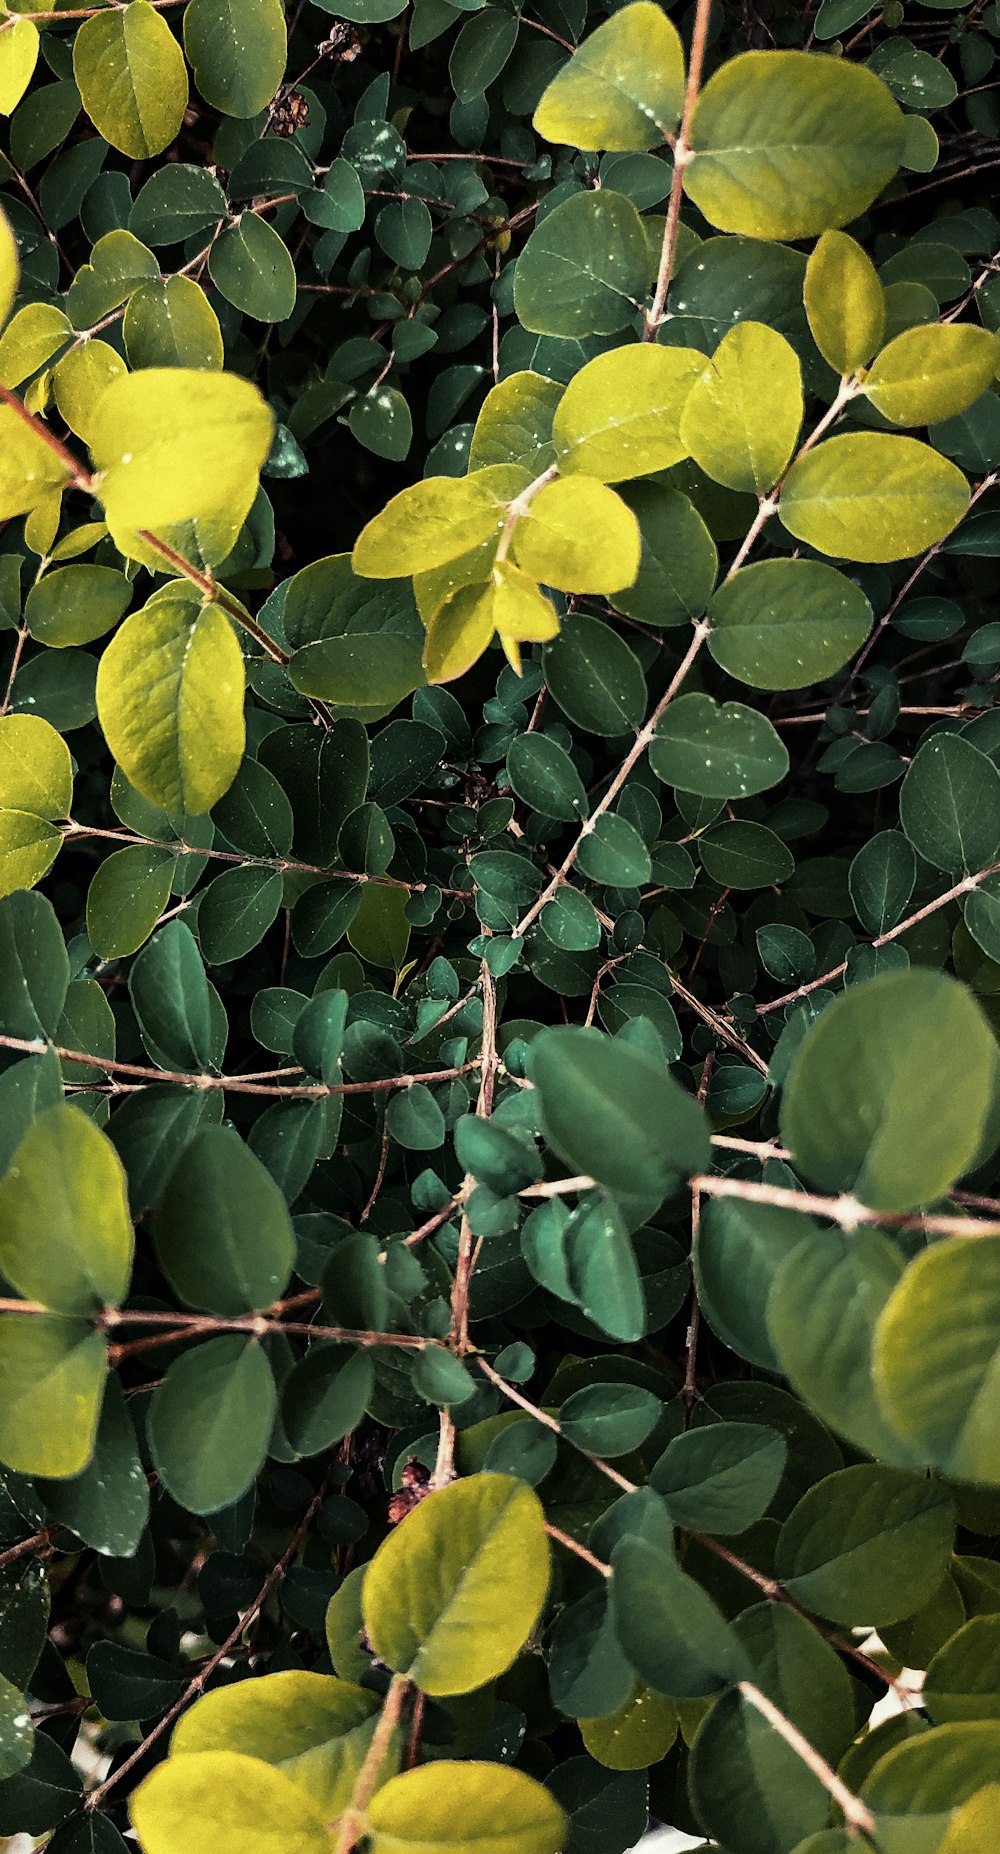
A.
pixel 854 1810
pixel 682 155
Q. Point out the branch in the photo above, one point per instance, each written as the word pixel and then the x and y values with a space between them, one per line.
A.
pixel 682 155
pixel 965 887
pixel 352 1820
pixel 844 1210
pixel 233 1084
pixel 854 1810
pixel 195 1686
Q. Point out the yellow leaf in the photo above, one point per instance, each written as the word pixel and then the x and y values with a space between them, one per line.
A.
pixel 578 536
pixel 8 268
pixel 170 700
pixel 845 302
pixel 174 444
pixel 220 1802
pixel 18 57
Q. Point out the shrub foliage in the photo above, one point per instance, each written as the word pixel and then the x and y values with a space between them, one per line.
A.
pixel 499 927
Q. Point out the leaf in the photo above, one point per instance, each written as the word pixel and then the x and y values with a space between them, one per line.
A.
pixel 178 739
pixel 788 144
pixel 127 1684
pixel 585 269
pixel 544 777
pixel 132 79
pixel 107 1506
pixel 782 624
pixel 624 87
pixel 552 539
pixel 744 1776
pixel 428 525
pixel 237 51
pixel 325 1396
pixel 210 1422
pixel 128 894
pixel 172 324
pixel 743 414
pixel 380 931
pixel 962 1679
pixel 949 805
pixel 34 967
pixel 936 1379
pixel 18 57
pixel 595 678
pixel 464 1808
pixel 676 1638
pixel 76 604
pixel 609 1419
pixel 610 1112
pixel 9 271
pixel 932 373
pixel 678 563
pixel 601 1272
pixel 52 1373
pixel 222 1234
pixel 739 854
pixel 452 1595
pixel 172 998
pixel 717 749
pixel 65 1231
pixel 252 268
pixel 720 1479
pixel 865 496
pixel 176 445
pixel 213 1802
pixel 24 1620
pixel 514 425
pixel 621 415
pixel 826 1298
pixel 30 471
pixel 844 301
pixel 889 1092
pixel 882 878
pixel 36 785
pixel 869 1543
pixel 16 1730
pixel 309 1726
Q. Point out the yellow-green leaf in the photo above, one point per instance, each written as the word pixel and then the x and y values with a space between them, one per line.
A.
pixel 170 700
pixel 222 1802
pixel 932 373
pixel 465 1808
pixel 30 470
pixel 459 631
pixel 80 378
pixel 515 423
pixel 65 1229
pixel 18 57
pixel 36 770
pixel 132 78
pixel 8 268
pixel 433 522
pixel 175 444
pixel 868 496
pixel 31 338
pixel 845 302
pixel 743 415
pixel 52 1374
pixel 578 536
pixel 453 1593
pixel 788 143
pixel 640 1733
pixel 311 1726
pixel 28 848
pixel 624 87
pixel 620 416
